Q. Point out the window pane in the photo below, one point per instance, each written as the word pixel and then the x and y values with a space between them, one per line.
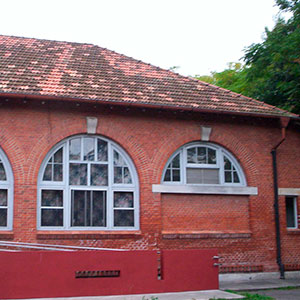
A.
pixel 3 216
pixel 58 156
pixel 58 172
pixel 210 176
pixel 89 149
pixel 194 175
pixel 191 155
pixel 118 175
pixel 102 150
pixel 75 149
pixel 52 217
pixel 99 208
pixel 2 172
pixel 201 157
pixel 127 176
pixel 79 208
pixel 228 176
pixel 176 161
pixel 88 208
pixel 176 175
pixel 168 175
pixel 123 199
pixel 52 198
pixel 118 159
pixel 211 156
pixel 227 164
pixel 48 173
pixel 78 174
pixel 235 177
pixel 290 212
pixel 99 174
pixel 202 176
pixel 3 197
pixel 123 218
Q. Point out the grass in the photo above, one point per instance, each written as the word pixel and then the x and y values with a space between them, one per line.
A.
pixel 288 288
pixel 255 296
pixel 247 296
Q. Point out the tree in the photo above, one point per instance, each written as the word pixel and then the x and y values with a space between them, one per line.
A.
pixel 272 68
pixel 273 73
pixel 232 78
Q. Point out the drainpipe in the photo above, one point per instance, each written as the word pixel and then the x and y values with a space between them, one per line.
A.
pixel 283 122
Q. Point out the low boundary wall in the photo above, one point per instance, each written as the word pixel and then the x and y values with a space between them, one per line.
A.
pixel 48 274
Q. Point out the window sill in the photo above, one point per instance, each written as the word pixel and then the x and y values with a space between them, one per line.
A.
pixel 204 189
pixel 293 231
pixel 6 235
pixel 171 235
pixel 289 191
pixel 87 235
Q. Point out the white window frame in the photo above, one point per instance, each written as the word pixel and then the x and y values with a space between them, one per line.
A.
pixel 220 153
pixel 9 185
pixel 110 188
pixel 295 212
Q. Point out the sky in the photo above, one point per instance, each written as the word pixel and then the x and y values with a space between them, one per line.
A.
pixel 198 36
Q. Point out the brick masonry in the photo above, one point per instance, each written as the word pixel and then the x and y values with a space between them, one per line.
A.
pixel 241 227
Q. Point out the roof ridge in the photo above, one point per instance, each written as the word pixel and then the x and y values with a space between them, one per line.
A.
pixel 48 40
pixel 95 45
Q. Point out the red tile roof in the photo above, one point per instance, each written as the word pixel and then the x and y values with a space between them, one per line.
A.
pixel 88 72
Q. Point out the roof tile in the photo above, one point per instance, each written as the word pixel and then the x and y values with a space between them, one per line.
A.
pixel 87 72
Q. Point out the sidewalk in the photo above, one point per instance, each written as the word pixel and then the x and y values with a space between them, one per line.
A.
pixel 258 281
pixel 196 295
pixel 264 284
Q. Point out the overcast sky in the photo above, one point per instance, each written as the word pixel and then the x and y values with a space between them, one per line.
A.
pixel 199 36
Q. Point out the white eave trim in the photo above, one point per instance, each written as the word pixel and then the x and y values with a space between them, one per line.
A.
pixel 204 189
pixel 289 191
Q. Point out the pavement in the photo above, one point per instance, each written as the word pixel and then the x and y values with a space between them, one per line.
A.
pixel 258 281
pixel 265 284
pixel 254 283
pixel 293 294
pixel 197 295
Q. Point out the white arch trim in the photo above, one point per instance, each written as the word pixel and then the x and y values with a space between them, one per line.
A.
pixel 8 186
pixel 107 191
pixel 217 185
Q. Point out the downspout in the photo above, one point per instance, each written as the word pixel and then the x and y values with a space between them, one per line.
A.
pixel 283 122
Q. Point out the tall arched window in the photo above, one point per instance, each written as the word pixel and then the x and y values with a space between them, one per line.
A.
pixel 203 164
pixel 88 183
pixel 6 193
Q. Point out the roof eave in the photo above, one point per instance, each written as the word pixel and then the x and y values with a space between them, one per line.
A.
pixel 144 105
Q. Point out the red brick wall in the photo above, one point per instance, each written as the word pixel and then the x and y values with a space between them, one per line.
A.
pixel 29 130
pixel 289 176
pixel 197 213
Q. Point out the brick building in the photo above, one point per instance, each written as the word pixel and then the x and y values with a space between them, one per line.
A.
pixel 99 149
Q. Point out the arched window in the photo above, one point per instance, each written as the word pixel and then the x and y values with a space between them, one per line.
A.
pixel 203 164
pixel 6 193
pixel 88 182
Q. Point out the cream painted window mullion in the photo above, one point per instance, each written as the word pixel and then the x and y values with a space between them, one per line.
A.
pixel 110 194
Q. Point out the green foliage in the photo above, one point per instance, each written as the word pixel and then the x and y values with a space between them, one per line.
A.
pixel 274 64
pixel 232 78
pixel 248 296
pixel 174 68
pixel 272 68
